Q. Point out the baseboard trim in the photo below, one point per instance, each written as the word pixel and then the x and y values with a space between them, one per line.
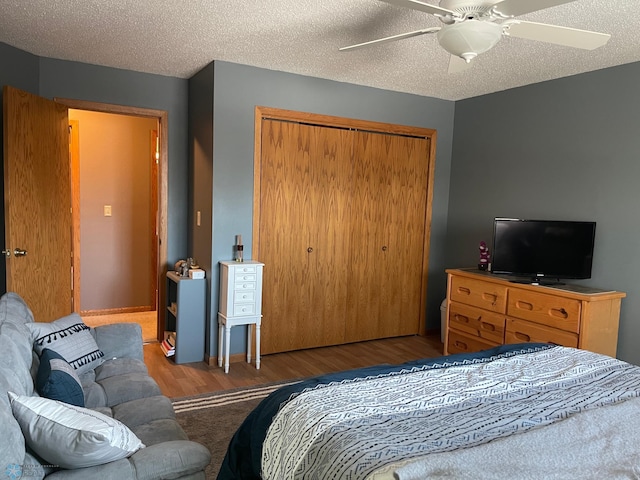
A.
pixel 234 358
pixel 115 311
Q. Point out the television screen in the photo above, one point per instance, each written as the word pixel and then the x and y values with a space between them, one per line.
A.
pixel 543 248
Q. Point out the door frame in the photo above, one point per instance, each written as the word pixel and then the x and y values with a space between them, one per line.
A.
pixel 162 117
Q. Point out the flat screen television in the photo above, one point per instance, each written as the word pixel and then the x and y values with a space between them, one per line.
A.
pixel 543 249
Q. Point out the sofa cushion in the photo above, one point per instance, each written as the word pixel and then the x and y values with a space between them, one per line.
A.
pixel 57 380
pixel 69 337
pixel 144 410
pixel 71 436
pixel 117 381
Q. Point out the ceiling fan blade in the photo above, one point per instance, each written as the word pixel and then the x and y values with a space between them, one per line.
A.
pixel 393 38
pixel 513 8
pixel 569 37
pixel 457 64
pixel 424 7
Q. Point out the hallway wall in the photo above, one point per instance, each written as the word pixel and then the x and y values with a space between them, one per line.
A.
pixel 115 171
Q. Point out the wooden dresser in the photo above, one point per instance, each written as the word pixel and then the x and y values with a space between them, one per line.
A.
pixel 486 310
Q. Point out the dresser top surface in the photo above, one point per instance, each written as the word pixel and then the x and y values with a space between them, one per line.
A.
pixel 571 290
pixel 231 263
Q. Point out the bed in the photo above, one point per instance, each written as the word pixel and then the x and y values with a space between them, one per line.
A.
pixel 515 411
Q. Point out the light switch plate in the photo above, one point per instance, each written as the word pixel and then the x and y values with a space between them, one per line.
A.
pixel 107 210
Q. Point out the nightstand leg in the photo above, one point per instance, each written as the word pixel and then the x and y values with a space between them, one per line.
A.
pixel 227 341
pixel 258 345
pixel 220 351
pixel 249 343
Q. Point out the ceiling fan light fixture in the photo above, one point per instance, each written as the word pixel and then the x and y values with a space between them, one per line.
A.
pixel 469 38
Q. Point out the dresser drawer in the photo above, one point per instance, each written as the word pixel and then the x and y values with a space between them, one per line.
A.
pixel 486 295
pixel 460 343
pixel 244 309
pixel 245 277
pixel 246 269
pixel 519 331
pixel 240 286
pixel 244 296
pixel 477 322
pixel 556 312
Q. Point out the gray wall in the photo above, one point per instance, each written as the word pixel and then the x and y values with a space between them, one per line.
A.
pixel 238 89
pixel 80 81
pixel 57 78
pixel 201 174
pixel 564 149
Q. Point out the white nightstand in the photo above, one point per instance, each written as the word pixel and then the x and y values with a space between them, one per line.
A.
pixel 240 303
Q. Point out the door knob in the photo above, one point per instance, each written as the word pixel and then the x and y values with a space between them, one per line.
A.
pixel 18 252
pixel 6 253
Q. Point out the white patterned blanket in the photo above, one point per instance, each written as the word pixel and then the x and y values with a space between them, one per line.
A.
pixel 353 428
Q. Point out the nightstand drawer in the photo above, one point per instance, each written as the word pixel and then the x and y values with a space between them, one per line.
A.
pixel 244 309
pixel 486 295
pixel 244 296
pixel 461 343
pixel 477 322
pixel 519 331
pixel 554 311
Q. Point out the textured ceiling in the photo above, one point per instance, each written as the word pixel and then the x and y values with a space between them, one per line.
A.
pixel 178 38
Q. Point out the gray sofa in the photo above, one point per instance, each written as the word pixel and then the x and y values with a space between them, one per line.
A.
pixel 119 387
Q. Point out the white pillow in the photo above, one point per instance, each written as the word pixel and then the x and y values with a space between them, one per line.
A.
pixel 71 436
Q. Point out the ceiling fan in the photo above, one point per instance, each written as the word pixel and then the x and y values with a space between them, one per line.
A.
pixel 472 27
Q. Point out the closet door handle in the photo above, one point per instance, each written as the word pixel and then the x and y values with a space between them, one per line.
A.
pixel 384 248
pixel 309 250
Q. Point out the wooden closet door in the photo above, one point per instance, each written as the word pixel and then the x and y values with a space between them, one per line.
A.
pixel 404 233
pixel 388 227
pixel 302 235
pixel 329 190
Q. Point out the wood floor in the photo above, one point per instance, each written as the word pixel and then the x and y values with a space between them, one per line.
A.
pixel 195 378
pixel 147 320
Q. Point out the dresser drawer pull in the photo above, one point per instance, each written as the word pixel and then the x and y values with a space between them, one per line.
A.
pixel 559 312
pixel 490 297
pixel 524 305
pixel 464 290
pixel 522 336
pixel 461 318
pixel 461 345
pixel 488 326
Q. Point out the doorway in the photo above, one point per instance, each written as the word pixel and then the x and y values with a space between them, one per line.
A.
pixel 119 167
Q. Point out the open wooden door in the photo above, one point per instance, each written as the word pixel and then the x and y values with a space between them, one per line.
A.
pixel 37 190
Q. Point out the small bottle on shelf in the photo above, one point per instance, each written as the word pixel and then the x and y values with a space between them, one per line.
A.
pixel 239 249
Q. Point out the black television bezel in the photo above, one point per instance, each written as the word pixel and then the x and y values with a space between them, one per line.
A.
pixel 539 276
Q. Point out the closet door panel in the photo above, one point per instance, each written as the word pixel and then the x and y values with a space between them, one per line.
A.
pixel 389 202
pixel 284 236
pixel 404 234
pixel 367 295
pixel 329 185
pixel 305 181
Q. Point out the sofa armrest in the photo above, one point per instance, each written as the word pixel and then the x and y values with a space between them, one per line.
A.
pixel 120 340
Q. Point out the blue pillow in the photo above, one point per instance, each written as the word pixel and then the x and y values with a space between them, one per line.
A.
pixel 57 380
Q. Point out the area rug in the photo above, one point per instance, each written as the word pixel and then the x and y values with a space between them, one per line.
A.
pixel 213 418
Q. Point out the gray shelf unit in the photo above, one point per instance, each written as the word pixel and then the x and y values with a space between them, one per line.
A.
pixel 188 318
